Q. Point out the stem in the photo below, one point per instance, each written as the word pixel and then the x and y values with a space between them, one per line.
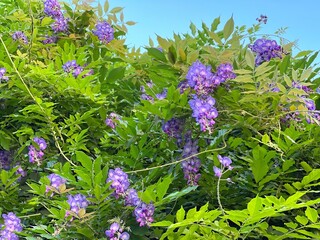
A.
pixel 218 196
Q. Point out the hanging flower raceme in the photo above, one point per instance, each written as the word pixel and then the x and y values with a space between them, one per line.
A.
pixel 104 32
pixel 144 214
pixel 5 160
pixel 52 8
pixel 36 155
pixel 119 182
pixel 77 202
pixel 204 111
pixel 55 182
pixel 75 69
pixel 174 128
pixel 132 198
pixel 224 72
pixel 112 119
pixel 20 37
pixel 265 50
pixel 191 166
pixel 116 232
pixel 11 224
pixel 50 40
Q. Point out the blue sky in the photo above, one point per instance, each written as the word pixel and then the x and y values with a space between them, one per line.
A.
pixel 165 17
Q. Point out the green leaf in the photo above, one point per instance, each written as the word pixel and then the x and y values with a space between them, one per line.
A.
pixel 85 160
pixel 100 11
pixel 116 10
pixel 180 214
pixel 301 219
pixel 228 28
pixel 312 214
pixel 163 187
pixel 312 176
pixel 157 54
pixel 254 206
pixel 161 224
pixel 250 59
pixel 106 6
pixel 306 166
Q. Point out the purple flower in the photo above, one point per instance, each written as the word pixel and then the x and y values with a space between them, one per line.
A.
pixel 5 160
pixel 52 8
pixel 217 171
pixel 225 161
pixel 72 66
pixel 224 72
pixel 77 202
pixel 144 214
pixel 11 224
pixel 204 111
pixel 116 232
pixel 50 40
pixel 183 86
pixel 2 73
pixel 119 182
pixel 112 119
pixel 174 128
pixel 162 95
pixel 55 181
pixel 132 198
pixel 19 36
pixel 262 18
pixel 265 50
pixel 20 171
pixel 191 166
pixel 60 24
pixel 104 32
pixel 41 143
pixel 200 78
pixel 310 104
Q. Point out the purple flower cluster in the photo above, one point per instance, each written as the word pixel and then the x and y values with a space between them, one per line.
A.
pixel 200 78
pixel 77 202
pixel 262 19
pixel 11 224
pixel 52 8
pixel 5 160
pixel 2 74
pixel 34 154
pixel 120 183
pixel 104 32
pixel 50 40
pixel 19 36
pixel 265 50
pixel 225 163
pixel 174 127
pixel 112 119
pixel 203 81
pixel 144 214
pixel 191 166
pixel 72 66
pixel 55 181
pixel 116 232
pixel 204 111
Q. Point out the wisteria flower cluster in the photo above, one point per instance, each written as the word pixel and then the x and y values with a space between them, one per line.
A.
pixel 262 19
pixel 265 50
pixel 2 74
pixel 111 120
pixel 159 96
pixel 75 69
pixel 116 232
pixel 204 111
pixel 50 40
pixel 12 224
pixel 36 155
pixel 5 160
pixel 52 8
pixel 104 32
pixel 174 128
pixel 55 182
pixel 225 165
pixel 20 36
pixel 77 202
pixel 120 183
pixel 191 166
pixel 204 81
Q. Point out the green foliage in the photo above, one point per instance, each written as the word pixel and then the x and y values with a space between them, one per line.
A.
pixel 264 126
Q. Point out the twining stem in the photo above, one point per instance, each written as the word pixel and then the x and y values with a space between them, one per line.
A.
pixel 218 196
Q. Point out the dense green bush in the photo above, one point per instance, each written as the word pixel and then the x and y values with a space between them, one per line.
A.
pixel 208 135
